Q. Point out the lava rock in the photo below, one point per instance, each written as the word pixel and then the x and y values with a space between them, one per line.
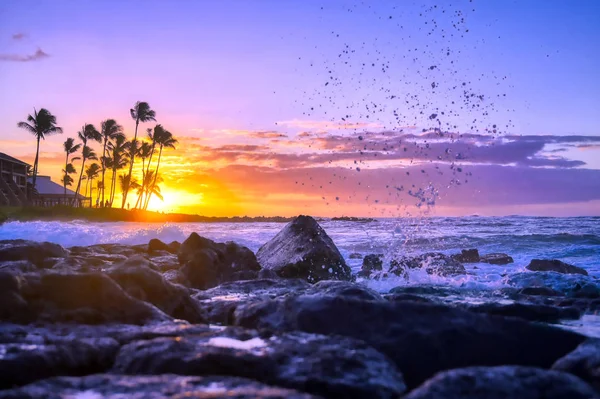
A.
pixel 150 387
pixel 333 367
pixel 344 288
pixel 554 265
pixel 35 252
pixel 467 256
pixel 372 262
pixel 22 363
pixel 421 338
pixel 503 382
pixel 302 249
pixel 496 259
pixel 207 264
pixel 584 362
pixel 157 245
pixel 532 312
pixel 434 263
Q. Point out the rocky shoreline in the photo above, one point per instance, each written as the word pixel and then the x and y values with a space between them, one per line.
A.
pixel 209 320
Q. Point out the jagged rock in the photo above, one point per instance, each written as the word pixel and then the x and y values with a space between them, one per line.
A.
pixel 554 265
pixel 333 367
pixel 496 259
pixel 150 387
pixel 207 264
pixel 140 281
pixel 421 338
pixel 23 363
pixel 527 311
pixel 433 263
pixel 467 256
pixel 503 382
pixel 35 252
pixel 584 362
pixel 302 249
pixel 355 255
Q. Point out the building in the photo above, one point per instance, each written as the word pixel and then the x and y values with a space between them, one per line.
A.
pixel 16 187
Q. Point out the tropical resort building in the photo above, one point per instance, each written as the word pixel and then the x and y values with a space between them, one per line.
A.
pixel 16 187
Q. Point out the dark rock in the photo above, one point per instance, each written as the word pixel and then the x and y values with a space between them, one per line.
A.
pixel 207 264
pixel 496 259
pixel 150 387
pixel 302 249
pixel 344 288
pixel 90 298
pixel 372 262
pixel 554 265
pixel 584 362
pixel 439 291
pixel 166 262
pixel 157 245
pixel 267 274
pixel 174 247
pixel 572 285
pixel 35 252
pixel 421 338
pixel 467 256
pixel 541 291
pixel 21 364
pixel 406 297
pixel 434 263
pixel 503 382
pixel 531 312
pixel 17 267
pixel 148 285
pixel 119 249
pixel 334 367
pixel 355 255
pixel 176 277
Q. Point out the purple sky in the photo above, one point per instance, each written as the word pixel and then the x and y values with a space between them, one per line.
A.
pixel 308 90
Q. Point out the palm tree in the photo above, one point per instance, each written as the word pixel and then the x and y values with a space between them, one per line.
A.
pixel 144 153
pixel 88 132
pixel 125 183
pixel 40 124
pixel 152 187
pixel 164 139
pixel 140 112
pixel 67 180
pixel 70 148
pixel 119 161
pixel 91 173
pixel 110 131
pixel 151 137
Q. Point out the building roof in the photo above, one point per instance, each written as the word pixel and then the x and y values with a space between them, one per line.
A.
pixel 45 186
pixel 6 157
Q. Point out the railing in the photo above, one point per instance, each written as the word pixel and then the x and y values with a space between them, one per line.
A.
pixel 18 192
pixel 12 198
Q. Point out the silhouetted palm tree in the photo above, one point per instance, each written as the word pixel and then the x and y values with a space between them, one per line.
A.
pixel 140 112
pixel 91 173
pixel 88 132
pixel 40 124
pixel 70 148
pixel 110 131
pixel 151 135
pixel 164 139
pixel 126 184
pixel 119 161
pixel 144 153
pixel 152 188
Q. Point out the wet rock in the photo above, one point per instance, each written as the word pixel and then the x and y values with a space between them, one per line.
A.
pixel 90 298
pixel 421 338
pixel 467 256
pixel 344 288
pixel 332 367
pixel 35 252
pixel 302 249
pixel 140 281
pixel 503 382
pixel 554 265
pixel 23 363
pixel 267 274
pixel 541 291
pixel 433 263
pixel 571 285
pixel 584 362
pixel 12 304
pixel 531 312
pixel 17 267
pixel 407 297
pixel 176 277
pixel 166 262
pixel 157 245
pixel 150 387
pixel 207 264
pixel 355 255
pixel 496 259
pixel 174 247
pixel 118 249
pixel 372 262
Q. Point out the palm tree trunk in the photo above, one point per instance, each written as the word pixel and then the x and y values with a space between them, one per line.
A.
pixel 154 181
pixel 79 181
pixel 35 163
pixel 132 160
pixel 139 200
pixel 65 177
pixel 103 163
pixel 148 170
pixel 113 186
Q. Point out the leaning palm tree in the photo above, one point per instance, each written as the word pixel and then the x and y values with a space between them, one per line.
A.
pixel 110 131
pixel 119 161
pixel 164 140
pixel 67 180
pixel 91 173
pixel 70 148
pixel 126 184
pixel 151 136
pixel 152 181
pixel 88 132
pixel 40 124
pixel 144 153
pixel 140 112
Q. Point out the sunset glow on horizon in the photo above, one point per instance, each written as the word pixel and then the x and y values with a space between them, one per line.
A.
pixel 323 109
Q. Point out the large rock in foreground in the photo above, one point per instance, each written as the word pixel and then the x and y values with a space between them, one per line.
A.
pixel 554 265
pixel 207 264
pixel 35 252
pixel 302 249
pixel 503 382
pixel 422 339
pixel 150 387
pixel 584 362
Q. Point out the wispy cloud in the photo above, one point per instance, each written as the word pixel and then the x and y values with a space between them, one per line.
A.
pixel 19 36
pixel 38 55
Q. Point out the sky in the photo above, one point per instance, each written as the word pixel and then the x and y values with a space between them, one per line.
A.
pixel 332 108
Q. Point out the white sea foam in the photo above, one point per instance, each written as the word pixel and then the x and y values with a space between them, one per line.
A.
pixel 225 342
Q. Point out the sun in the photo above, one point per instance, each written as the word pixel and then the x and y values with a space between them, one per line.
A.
pixel 174 200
